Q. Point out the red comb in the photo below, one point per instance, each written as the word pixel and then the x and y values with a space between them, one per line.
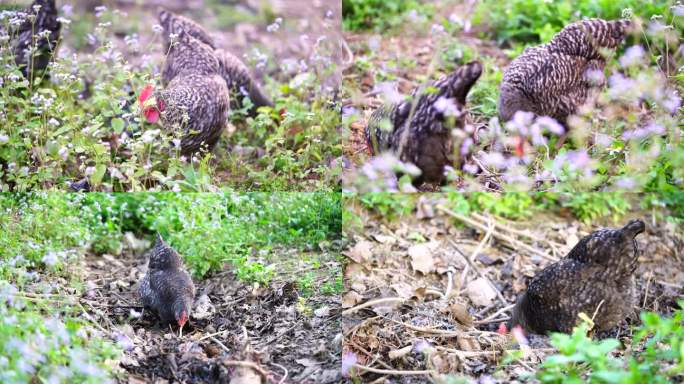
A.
pixel 183 319
pixel 145 94
pixel 502 329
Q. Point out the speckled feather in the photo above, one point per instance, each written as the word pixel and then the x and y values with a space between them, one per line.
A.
pixel 22 38
pixel 551 79
pixel 175 24
pixel 233 70
pixel 430 144
pixel 597 271
pixel 166 287
pixel 196 97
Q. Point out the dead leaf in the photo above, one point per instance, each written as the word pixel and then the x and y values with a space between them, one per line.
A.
pixel 204 309
pixel 421 258
pixel 398 353
pixel 424 209
pixel 480 292
pixel 361 252
pixel 385 239
pixel 403 289
pixel 571 240
pixel 460 312
pixel 468 344
pixel 350 299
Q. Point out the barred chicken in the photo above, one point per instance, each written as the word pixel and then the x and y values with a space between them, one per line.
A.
pixel 195 99
pixel 38 33
pixel 555 79
pixel 167 288
pixel 233 70
pixel 595 277
pixel 429 141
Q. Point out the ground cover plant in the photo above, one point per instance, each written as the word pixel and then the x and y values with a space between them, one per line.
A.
pixel 621 140
pixel 81 118
pixel 430 279
pixel 266 267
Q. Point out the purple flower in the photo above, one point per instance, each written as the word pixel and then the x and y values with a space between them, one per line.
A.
pixel 447 107
pixel 494 159
pixel 633 55
pixel 466 145
pixel 551 124
pixel 578 159
pixel 124 342
pixel 520 122
pixel 349 359
pixel 620 86
pixel 625 183
pixel 421 346
pixel 471 168
pixel 348 111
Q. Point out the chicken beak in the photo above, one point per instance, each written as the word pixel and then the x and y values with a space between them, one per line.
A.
pixel 180 331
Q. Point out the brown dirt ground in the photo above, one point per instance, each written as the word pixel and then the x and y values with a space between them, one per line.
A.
pixel 288 338
pixel 385 258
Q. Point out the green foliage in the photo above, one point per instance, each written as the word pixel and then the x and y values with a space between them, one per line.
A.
pixel 84 121
pixel 388 205
pixel 208 230
pixel 510 205
pixel 656 356
pixel 55 348
pixel 534 21
pixel 380 15
pixel 483 97
pixel 593 205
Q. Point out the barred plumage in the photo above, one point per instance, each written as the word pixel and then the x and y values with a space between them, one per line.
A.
pixel 233 70
pixel 22 38
pixel 596 274
pixel 175 24
pixel 167 288
pixel 554 79
pixel 429 144
pixel 195 100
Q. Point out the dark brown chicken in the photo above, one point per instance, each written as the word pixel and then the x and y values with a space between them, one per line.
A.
pixel 195 100
pixel 429 142
pixel 233 70
pixel 554 79
pixel 39 32
pixel 595 277
pixel 167 288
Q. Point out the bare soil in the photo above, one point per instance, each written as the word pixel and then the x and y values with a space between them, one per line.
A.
pixel 430 280
pixel 237 332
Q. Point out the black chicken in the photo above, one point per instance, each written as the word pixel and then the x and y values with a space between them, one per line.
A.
pixel 167 288
pixel 429 142
pixel 34 41
pixel 595 277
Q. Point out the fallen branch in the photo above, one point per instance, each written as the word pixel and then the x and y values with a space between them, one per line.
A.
pixel 513 242
pixel 440 332
pixel 373 302
pixel 220 344
pixel 489 318
pixel 285 372
pixel 393 371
